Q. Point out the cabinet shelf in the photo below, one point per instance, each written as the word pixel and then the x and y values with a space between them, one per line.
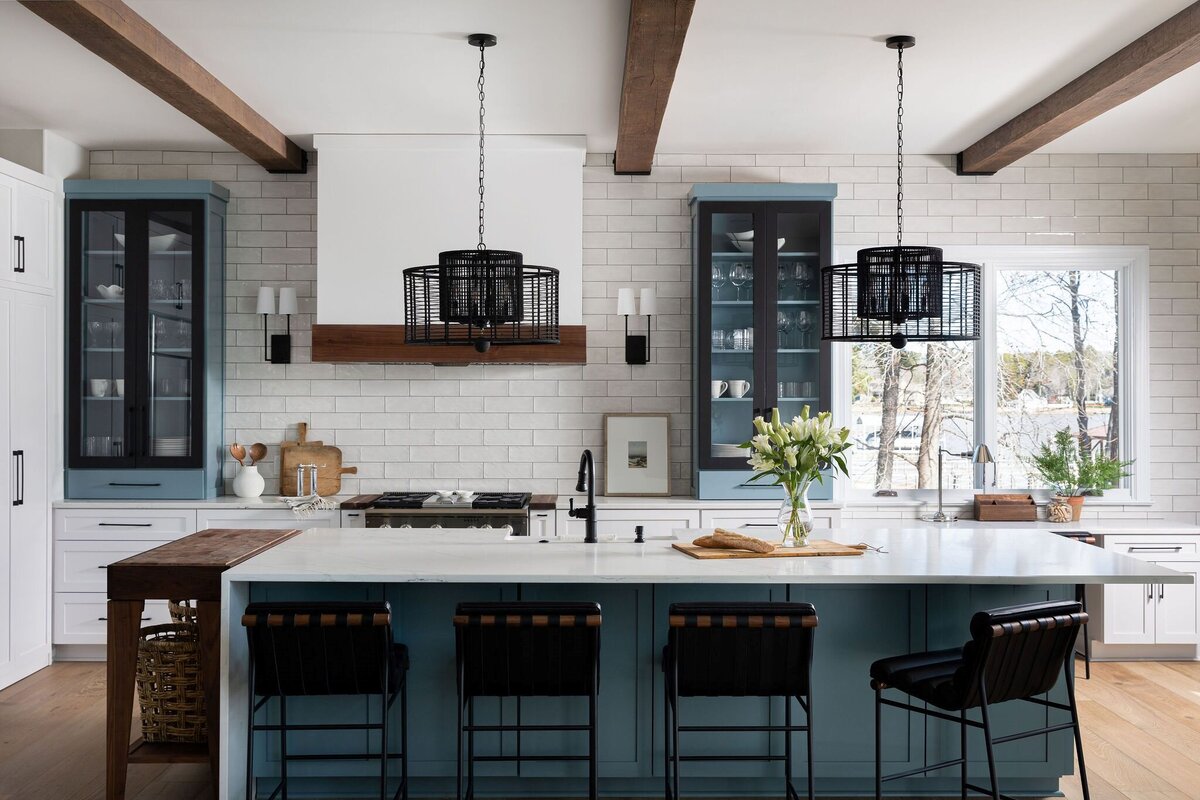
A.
pixel 733 352
pixel 748 303
pixel 787 254
pixel 104 349
pixel 125 252
pixel 807 350
pixel 100 301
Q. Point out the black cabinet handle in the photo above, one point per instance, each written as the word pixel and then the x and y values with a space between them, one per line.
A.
pixel 102 566
pixel 20 265
pixel 1162 588
pixel 19 477
pixel 179 295
pixel 133 484
pixel 1149 592
pixel 127 524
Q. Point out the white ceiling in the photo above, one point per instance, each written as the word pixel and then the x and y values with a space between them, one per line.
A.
pixel 756 75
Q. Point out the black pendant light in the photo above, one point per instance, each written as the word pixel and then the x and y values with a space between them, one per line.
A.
pixel 481 297
pixel 900 294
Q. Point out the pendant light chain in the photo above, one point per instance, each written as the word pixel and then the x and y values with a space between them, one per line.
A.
pixel 899 146
pixel 481 245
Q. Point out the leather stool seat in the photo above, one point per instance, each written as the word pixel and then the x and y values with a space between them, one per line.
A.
pixel 934 677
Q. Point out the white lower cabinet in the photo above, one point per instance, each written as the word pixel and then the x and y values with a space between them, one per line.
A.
pixel 88 539
pixel 656 523
pixel 1154 613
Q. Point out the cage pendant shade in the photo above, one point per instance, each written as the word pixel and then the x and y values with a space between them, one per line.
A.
pixel 481 297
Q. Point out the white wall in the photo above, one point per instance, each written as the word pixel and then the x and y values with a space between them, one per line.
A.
pixel 500 427
pixel 390 202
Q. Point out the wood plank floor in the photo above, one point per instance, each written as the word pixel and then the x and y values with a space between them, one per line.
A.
pixel 1141 737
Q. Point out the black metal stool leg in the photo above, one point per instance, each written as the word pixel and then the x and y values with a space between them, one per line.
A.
pixel 675 740
pixel 1083 782
pixel 667 744
pixel 459 763
pixel 1087 640
pixel 878 743
pixel 962 744
pixel 383 742
pixel 787 749
pixel 593 783
pixel 809 735
pixel 987 740
pixel 283 776
pixel 470 748
pixel 404 737
pixel 250 740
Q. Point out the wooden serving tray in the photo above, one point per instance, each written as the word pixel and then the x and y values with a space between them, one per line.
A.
pixel 816 547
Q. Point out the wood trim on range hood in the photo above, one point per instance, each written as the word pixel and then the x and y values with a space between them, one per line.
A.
pixel 384 344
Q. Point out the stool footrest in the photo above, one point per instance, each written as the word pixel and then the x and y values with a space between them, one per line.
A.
pixel 745 728
pixel 338 756
pixel 1012 737
pixel 523 728
pixel 531 758
pixel 988 792
pixel 734 758
pixel 922 770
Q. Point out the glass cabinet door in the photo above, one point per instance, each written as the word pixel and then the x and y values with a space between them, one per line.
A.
pixel 171 336
pixel 796 379
pixel 100 362
pixel 733 303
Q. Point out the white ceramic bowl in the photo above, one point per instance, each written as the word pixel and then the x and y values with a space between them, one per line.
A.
pixel 112 292
pixel 464 494
pixel 741 236
pixel 158 244
pixel 747 246
pixel 444 494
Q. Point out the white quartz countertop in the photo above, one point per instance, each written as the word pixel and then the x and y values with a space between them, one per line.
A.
pixel 272 502
pixel 913 555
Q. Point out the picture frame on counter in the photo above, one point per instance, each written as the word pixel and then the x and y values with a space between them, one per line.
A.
pixel 637 455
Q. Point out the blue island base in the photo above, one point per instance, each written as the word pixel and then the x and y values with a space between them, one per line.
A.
pixel 858 625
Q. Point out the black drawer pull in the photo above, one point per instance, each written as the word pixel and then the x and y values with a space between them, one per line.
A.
pixel 125 524
pixel 105 619
pixel 135 484
pixel 102 566
pixel 1158 549
pixel 20 265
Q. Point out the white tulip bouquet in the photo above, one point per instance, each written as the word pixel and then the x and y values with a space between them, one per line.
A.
pixel 794 453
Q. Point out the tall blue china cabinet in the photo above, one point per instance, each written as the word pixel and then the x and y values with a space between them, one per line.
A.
pixel 757 253
pixel 145 327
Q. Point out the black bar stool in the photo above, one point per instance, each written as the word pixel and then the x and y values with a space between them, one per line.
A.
pixel 1015 653
pixel 1081 598
pixel 738 650
pixel 525 649
pixel 328 648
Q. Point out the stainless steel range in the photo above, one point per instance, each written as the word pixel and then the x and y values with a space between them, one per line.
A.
pixel 483 511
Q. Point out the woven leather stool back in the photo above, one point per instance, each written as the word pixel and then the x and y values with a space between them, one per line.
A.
pixel 319 648
pixel 528 649
pixel 741 649
pixel 1019 650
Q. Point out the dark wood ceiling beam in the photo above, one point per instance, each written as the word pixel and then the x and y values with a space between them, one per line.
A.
pixel 1165 51
pixel 123 38
pixel 656 32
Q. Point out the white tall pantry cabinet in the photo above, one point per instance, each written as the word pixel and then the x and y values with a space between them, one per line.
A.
pixel 29 414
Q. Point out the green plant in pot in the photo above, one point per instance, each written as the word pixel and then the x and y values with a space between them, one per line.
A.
pixel 1073 471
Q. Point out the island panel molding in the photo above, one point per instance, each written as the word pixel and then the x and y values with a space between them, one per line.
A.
pixel 384 344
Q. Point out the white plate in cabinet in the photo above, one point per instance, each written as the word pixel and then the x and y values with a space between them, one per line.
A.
pixel 82 617
pixel 657 523
pixel 759 522
pixel 81 565
pixel 282 519
pixel 120 523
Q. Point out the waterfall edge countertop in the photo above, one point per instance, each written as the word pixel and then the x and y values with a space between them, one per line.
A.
pixel 919 555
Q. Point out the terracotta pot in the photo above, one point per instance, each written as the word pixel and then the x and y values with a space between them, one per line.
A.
pixel 1076 504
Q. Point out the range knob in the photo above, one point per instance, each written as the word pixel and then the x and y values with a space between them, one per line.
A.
pixel 435 525
pixel 385 525
pixel 486 526
pixel 406 525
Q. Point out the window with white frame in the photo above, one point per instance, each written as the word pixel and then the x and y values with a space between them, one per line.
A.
pixel 1063 346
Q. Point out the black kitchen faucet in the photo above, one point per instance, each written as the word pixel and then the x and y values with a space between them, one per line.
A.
pixel 586 483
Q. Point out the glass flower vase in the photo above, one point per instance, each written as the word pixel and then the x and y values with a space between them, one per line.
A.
pixel 795 517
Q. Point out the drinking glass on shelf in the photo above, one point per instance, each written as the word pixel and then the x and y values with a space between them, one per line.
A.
pixel 802 275
pixel 159 290
pixel 718 280
pixel 96 330
pixel 115 334
pixel 804 324
pixel 718 340
pixel 783 321
pixel 739 276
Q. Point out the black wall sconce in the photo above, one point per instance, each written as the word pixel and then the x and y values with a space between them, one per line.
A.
pixel 280 351
pixel 637 348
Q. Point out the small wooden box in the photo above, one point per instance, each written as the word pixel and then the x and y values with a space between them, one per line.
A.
pixel 1005 508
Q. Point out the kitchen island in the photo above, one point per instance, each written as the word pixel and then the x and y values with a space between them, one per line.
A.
pixel 917 594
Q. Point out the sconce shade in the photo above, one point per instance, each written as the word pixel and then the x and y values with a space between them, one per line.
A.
pixel 287 300
pixel 625 305
pixel 266 300
pixel 982 455
pixel 649 302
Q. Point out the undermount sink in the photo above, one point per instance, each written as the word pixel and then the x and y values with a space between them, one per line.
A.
pixel 604 538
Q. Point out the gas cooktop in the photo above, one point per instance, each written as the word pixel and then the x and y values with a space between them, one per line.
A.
pixel 430 500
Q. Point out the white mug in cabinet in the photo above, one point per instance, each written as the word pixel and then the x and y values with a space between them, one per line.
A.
pixel 719 388
pixel 739 388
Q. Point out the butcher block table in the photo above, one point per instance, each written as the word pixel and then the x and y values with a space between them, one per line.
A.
pixel 187 569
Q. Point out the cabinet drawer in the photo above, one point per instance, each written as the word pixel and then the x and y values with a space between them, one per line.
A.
pixel 759 522
pixel 280 518
pixel 79 565
pixel 354 519
pixel 129 524
pixel 82 617
pixel 1157 549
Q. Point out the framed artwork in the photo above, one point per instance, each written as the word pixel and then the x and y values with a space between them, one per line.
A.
pixel 637 455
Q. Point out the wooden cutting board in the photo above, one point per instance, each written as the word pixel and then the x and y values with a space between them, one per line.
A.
pixel 327 458
pixel 816 547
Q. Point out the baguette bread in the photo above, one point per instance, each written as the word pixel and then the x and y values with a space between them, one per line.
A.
pixel 722 539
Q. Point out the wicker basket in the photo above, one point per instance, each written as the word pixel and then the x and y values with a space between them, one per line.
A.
pixel 182 611
pixel 170 688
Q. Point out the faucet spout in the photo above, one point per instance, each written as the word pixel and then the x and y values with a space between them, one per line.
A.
pixel 587 483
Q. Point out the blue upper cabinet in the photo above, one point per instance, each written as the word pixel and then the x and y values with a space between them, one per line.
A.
pixel 145 316
pixel 757 251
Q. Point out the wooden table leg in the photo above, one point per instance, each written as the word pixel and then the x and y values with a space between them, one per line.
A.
pixel 124 625
pixel 208 618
